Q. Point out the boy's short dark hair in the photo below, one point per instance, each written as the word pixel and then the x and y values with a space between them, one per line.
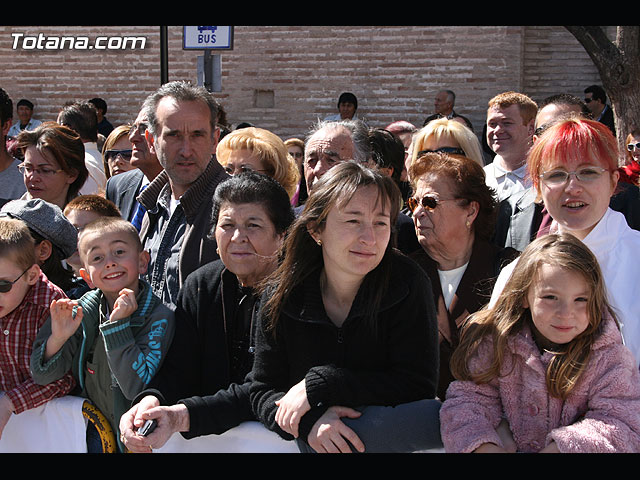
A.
pixel 16 243
pixel 110 225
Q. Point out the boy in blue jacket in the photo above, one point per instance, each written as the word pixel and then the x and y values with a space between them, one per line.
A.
pixel 115 337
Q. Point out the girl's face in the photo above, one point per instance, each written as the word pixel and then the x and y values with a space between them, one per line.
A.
pixel 558 300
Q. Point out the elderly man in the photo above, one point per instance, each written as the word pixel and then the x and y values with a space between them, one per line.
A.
pixel 330 143
pixel 183 134
pixel 510 125
pixel 443 104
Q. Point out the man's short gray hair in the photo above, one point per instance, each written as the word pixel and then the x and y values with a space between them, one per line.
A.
pixel 180 91
pixel 359 135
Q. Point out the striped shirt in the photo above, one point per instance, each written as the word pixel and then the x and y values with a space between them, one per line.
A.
pixel 17 333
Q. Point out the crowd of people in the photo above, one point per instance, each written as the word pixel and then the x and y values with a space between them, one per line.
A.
pixel 358 289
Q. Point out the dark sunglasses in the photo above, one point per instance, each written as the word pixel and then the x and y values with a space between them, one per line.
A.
pixel 452 150
pixel 633 146
pixel 587 100
pixel 124 154
pixel 6 285
pixel 428 202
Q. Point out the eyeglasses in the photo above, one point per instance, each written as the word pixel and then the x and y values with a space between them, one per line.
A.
pixel 556 178
pixel 587 100
pixel 428 202
pixel 231 170
pixel 452 150
pixel 113 154
pixel 28 169
pixel 6 285
pixel 633 146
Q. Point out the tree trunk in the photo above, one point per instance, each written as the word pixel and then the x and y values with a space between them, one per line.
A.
pixel 619 67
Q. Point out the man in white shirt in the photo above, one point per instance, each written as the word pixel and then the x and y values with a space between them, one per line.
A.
pixel 510 127
pixel 82 118
pixel 24 108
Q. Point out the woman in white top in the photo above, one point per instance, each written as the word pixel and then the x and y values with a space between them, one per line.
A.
pixel 574 169
pixel 454 212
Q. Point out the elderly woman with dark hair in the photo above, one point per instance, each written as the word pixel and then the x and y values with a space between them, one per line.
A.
pixel 454 214
pixel 53 166
pixel 346 341
pixel 212 350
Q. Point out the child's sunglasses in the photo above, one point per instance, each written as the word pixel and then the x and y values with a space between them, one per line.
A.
pixel 5 285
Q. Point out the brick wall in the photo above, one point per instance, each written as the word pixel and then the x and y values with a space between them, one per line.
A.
pixel 298 72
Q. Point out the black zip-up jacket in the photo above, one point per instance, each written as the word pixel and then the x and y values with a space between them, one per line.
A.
pixel 347 366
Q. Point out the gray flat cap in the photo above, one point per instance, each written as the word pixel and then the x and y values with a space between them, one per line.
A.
pixel 47 220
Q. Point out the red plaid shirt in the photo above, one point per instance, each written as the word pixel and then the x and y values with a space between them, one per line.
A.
pixel 17 333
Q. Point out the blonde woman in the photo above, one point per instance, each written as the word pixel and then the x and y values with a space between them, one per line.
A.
pixel 257 149
pixel 447 136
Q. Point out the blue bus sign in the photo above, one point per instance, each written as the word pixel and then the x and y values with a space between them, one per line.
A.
pixel 207 37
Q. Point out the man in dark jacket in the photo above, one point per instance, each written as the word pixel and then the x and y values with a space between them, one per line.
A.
pixel 183 134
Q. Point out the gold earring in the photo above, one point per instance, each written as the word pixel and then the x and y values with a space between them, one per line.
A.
pixel 319 242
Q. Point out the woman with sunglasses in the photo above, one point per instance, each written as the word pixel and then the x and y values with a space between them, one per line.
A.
pixel 116 152
pixel 454 215
pixel 448 136
pixel 630 172
pixel 574 169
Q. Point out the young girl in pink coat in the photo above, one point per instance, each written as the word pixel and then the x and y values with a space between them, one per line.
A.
pixel 546 364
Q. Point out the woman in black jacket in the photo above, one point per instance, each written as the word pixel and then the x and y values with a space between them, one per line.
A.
pixel 346 341
pixel 203 376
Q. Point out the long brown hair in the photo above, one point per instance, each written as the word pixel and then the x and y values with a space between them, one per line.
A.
pixel 302 256
pixel 509 315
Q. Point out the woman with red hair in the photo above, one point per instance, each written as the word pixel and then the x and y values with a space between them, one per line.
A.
pixel 574 170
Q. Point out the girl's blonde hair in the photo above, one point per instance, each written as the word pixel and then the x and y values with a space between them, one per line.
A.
pixel 509 315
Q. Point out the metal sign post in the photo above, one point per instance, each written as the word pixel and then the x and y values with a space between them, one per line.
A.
pixel 208 38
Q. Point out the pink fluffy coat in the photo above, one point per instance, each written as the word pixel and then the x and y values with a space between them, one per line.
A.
pixel 602 414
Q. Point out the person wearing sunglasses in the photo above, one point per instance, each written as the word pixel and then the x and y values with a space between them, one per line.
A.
pixel 574 169
pixel 630 172
pixel 454 214
pixel 449 136
pixel 596 99
pixel 117 151
pixel 25 296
